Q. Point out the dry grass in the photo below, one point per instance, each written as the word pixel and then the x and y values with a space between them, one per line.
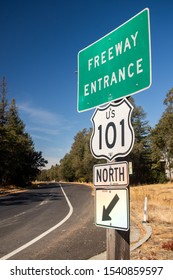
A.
pixel 6 190
pixel 159 217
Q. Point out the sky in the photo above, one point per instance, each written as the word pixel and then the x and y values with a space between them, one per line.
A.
pixel 40 41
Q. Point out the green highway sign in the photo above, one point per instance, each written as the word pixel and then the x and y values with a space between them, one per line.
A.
pixel 117 65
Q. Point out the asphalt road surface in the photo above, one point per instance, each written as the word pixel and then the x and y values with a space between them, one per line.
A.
pixel 54 221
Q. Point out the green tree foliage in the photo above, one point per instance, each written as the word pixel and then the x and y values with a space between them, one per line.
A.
pixel 66 171
pixel 162 139
pixel 3 132
pixel 78 164
pixel 141 153
pixel 19 162
pixel 3 103
pixel 168 101
pixel 53 173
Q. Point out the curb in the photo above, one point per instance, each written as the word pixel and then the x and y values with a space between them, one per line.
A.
pixel 144 239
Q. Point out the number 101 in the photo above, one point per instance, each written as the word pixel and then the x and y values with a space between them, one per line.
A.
pixel 105 135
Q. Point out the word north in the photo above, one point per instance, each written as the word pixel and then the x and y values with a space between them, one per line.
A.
pixel 115 174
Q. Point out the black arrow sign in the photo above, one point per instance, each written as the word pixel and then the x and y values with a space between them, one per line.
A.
pixel 107 211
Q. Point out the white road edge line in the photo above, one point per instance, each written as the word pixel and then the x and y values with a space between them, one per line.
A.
pixel 44 233
pixel 43 202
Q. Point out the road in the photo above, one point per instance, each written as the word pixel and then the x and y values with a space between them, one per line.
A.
pixel 50 222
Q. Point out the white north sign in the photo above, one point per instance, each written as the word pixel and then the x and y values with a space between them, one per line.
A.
pixel 111 174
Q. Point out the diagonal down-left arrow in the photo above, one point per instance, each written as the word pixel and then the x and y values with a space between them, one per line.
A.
pixel 107 211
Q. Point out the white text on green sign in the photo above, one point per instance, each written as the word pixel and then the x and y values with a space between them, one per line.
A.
pixel 117 65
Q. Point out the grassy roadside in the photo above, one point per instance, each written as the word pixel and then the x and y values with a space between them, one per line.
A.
pixel 6 190
pixel 159 217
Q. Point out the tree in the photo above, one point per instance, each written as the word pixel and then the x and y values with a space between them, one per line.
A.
pixel 19 162
pixel 77 165
pixel 66 171
pixel 141 153
pixel 168 101
pixel 3 103
pixel 53 173
pixel 3 133
pixel 162 137
pixel 88 159
pixel 77 154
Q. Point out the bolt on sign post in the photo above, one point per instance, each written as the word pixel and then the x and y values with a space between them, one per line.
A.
pixel 117 65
